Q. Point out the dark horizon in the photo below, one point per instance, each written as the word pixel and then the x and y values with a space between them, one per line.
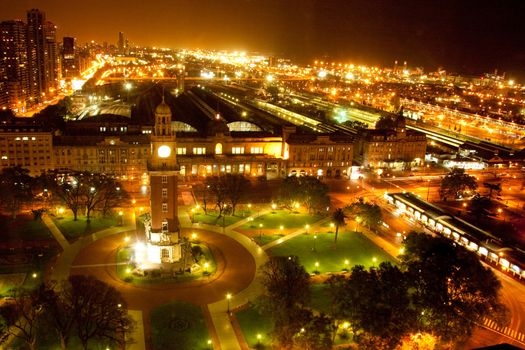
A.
pixel 461 36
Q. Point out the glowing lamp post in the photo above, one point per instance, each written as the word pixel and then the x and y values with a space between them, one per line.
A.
pixel 120 214
pixel 306 227
pixel 228 297
pixel 316 267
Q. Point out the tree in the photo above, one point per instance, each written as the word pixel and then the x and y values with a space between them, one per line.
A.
pixel 493 187
pixel 101 192
pixel 15 185
pixel 338 217
pixel 287 290
pixel 315 333
pixel 386 122
pixel 218 188
pixel 236 187
pixel 23 316
pixel 455 183
pixel 481 206
pixel 369 214
pixel 376 302
pixel 308 190
pixel 59 312
pixel 451 288
pixel 68 189
pixel 289 193
pixel 99 309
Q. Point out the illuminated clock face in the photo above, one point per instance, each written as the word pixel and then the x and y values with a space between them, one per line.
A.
pixel 164 151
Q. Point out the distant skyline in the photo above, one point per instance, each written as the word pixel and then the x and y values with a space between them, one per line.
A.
pixel 460 35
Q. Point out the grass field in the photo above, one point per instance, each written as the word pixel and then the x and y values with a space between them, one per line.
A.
pixel 253 323
pixel 351 246
pixel 212 218
pixel 284 218
pixel 75 229
pixel 179 325
pixel 23 228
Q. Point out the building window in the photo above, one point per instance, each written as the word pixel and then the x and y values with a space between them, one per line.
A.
pixel 164 193
pixel 238 150
pixel 165 254
pixel 218 148
pixel 181 150
pixel 164 179
pixel 164 207
pixel 256 150
pixel 199 150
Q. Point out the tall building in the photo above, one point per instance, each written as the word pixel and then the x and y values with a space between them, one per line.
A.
pixel 121 43
pixel 13 53
pixel 69 58
pixel 52 60
pixel 42 55
pixel 36 53
pixel 163 233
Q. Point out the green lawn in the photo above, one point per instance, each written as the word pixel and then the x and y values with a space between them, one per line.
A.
pixel 23 228
pixel 265 239
pixel 212 218
pixel 351 246
pixel 179 325
pixel 75 229
pixel 253 323
pixel 124 270
pixel 278 218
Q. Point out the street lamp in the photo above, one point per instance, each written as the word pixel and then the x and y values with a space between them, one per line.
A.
pixel 315 239
pixel 374 260
pixel 346 264
pixel 228 297
pixel 193 236
pixel 259 336
pixel 274 206
pixel 316 267
pixel 332 225
pixel 260 230
pixel 306 228
pixel 120 213
pixel 357 220
pixel 206 265
pixel 428 188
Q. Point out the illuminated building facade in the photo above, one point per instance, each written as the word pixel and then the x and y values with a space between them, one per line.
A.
pixel 28 146
pixel 13 54
pixel 396 148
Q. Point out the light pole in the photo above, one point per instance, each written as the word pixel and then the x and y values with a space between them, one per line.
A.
pixel 120 213
pixel 428 188
pixel 315 239
pixel 260 230
pixel 228 297
pixel 357 219
pixel 316 267
pixel 306 228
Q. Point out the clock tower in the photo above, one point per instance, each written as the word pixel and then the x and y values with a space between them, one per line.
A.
pixel 163 235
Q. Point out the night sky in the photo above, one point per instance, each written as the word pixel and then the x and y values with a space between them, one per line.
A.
pixel 460 35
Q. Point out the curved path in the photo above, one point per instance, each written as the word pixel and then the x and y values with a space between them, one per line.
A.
pixel 235 271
